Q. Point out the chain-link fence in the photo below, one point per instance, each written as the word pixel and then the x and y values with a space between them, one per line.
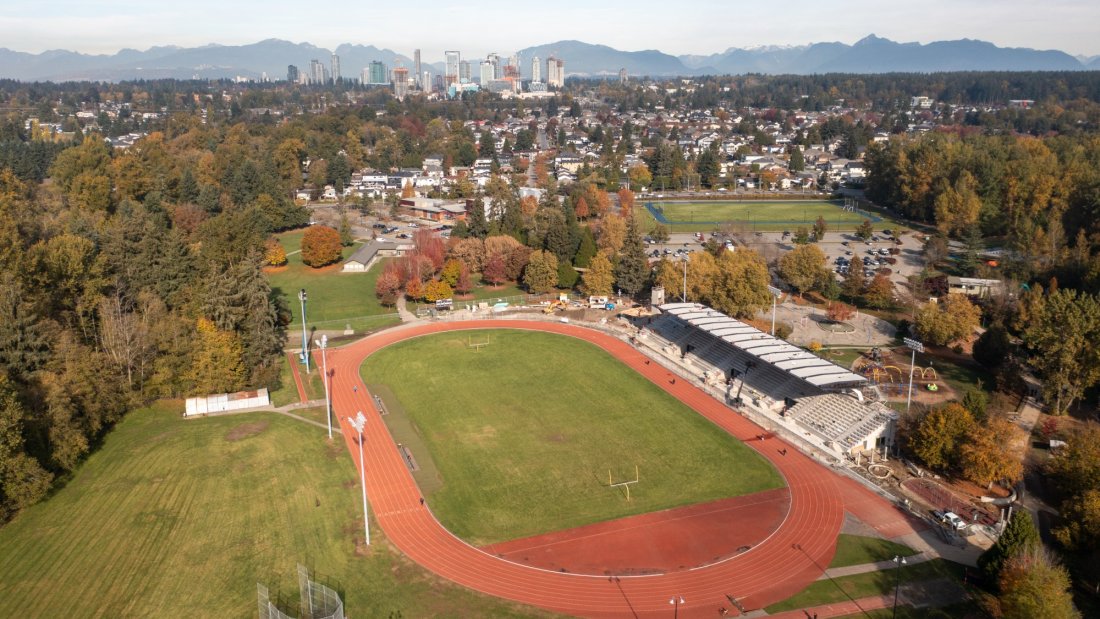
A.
pixel 268 608
pixel 317 600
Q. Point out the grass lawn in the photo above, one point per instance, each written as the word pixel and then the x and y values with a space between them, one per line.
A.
pixel 523 434
pixel 866 585
pixel 858 550
pixel 488 293
pixel 961 377
pixel 183 518
pixel 334 298
pixel 842 356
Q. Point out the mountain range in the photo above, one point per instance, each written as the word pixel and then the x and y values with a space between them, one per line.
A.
pixel 869 55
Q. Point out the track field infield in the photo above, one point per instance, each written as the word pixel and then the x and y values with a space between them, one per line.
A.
pixel 522 434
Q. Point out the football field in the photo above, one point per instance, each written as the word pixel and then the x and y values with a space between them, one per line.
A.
pixel 524 434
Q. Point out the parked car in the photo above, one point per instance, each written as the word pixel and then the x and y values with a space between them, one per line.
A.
pixel 953 519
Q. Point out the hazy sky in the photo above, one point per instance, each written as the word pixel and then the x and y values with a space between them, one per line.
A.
pixel 684 27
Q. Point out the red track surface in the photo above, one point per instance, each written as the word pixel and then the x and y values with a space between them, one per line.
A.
pixel 297 377
pixel 663 541
pixel 789 560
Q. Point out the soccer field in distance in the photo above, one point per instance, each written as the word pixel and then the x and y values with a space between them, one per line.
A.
pixel 523 433
pixel 759 215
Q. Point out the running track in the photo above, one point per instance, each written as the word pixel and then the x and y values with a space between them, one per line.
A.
pixel 780 566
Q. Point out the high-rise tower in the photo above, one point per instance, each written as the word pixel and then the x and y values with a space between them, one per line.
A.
pixel 450 75
pixel 536 69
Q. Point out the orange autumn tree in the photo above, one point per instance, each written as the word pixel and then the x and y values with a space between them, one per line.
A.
pixel 321 246
pixel 839 312
pixel 626 202
pixel 581 208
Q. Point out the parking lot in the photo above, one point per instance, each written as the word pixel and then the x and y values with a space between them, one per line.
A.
pixel 841 249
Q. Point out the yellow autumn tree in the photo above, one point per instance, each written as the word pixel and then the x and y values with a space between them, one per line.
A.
pixel 216 360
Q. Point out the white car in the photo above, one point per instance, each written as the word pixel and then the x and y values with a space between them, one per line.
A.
pixel 954 520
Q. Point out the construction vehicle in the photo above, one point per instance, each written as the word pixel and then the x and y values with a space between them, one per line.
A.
pixel 555 305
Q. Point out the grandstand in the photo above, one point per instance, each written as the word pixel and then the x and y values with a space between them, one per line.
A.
pixel 837 419
pixel 775 376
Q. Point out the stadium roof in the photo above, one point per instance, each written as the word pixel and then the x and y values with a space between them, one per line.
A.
pixel 767 348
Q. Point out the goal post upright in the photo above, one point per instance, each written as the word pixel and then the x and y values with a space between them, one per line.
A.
pixel 611 483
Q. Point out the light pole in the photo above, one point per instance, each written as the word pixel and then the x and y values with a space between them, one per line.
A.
pixel 900 561
pixel 685 297
pixel 358 422
pixel 776 293
pixel 323 344
pixel 305 338
pixel 916 347
pixel 676 601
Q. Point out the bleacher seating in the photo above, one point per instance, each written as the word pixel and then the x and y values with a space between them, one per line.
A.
pixel 713 353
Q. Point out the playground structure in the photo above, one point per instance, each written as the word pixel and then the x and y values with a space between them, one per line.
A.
pixel 892 378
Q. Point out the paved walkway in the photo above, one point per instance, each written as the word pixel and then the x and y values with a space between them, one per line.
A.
pixel 881 566
pixel 806 321
pixel 403 311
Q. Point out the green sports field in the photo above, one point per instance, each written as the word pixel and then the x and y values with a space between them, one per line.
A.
pixel 760 215
pixel 175 518
pixel 521 434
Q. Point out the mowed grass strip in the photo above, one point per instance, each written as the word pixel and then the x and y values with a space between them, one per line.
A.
pixel 181 518
pixel 525 431
pixel 858 550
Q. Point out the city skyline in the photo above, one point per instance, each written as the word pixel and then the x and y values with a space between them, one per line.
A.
pixel 105 28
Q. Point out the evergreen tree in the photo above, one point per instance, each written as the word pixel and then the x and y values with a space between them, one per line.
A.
pixel 188 187
pixel 797 162
pixel 971 257
pixel 1019 535
pixel 478 225
pixel 632 271
pixel 567 276
pixel 586 250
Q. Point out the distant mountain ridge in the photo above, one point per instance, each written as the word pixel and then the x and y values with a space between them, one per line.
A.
pixel 271 56
pixel 869 55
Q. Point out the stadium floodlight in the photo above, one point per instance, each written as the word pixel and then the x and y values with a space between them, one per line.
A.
pixel 916 347
pixel 899 561
pixel 359 422
pixel 685 259
pixel 776 293
pixel 323 345
pixel 676 601
pixel 305 338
